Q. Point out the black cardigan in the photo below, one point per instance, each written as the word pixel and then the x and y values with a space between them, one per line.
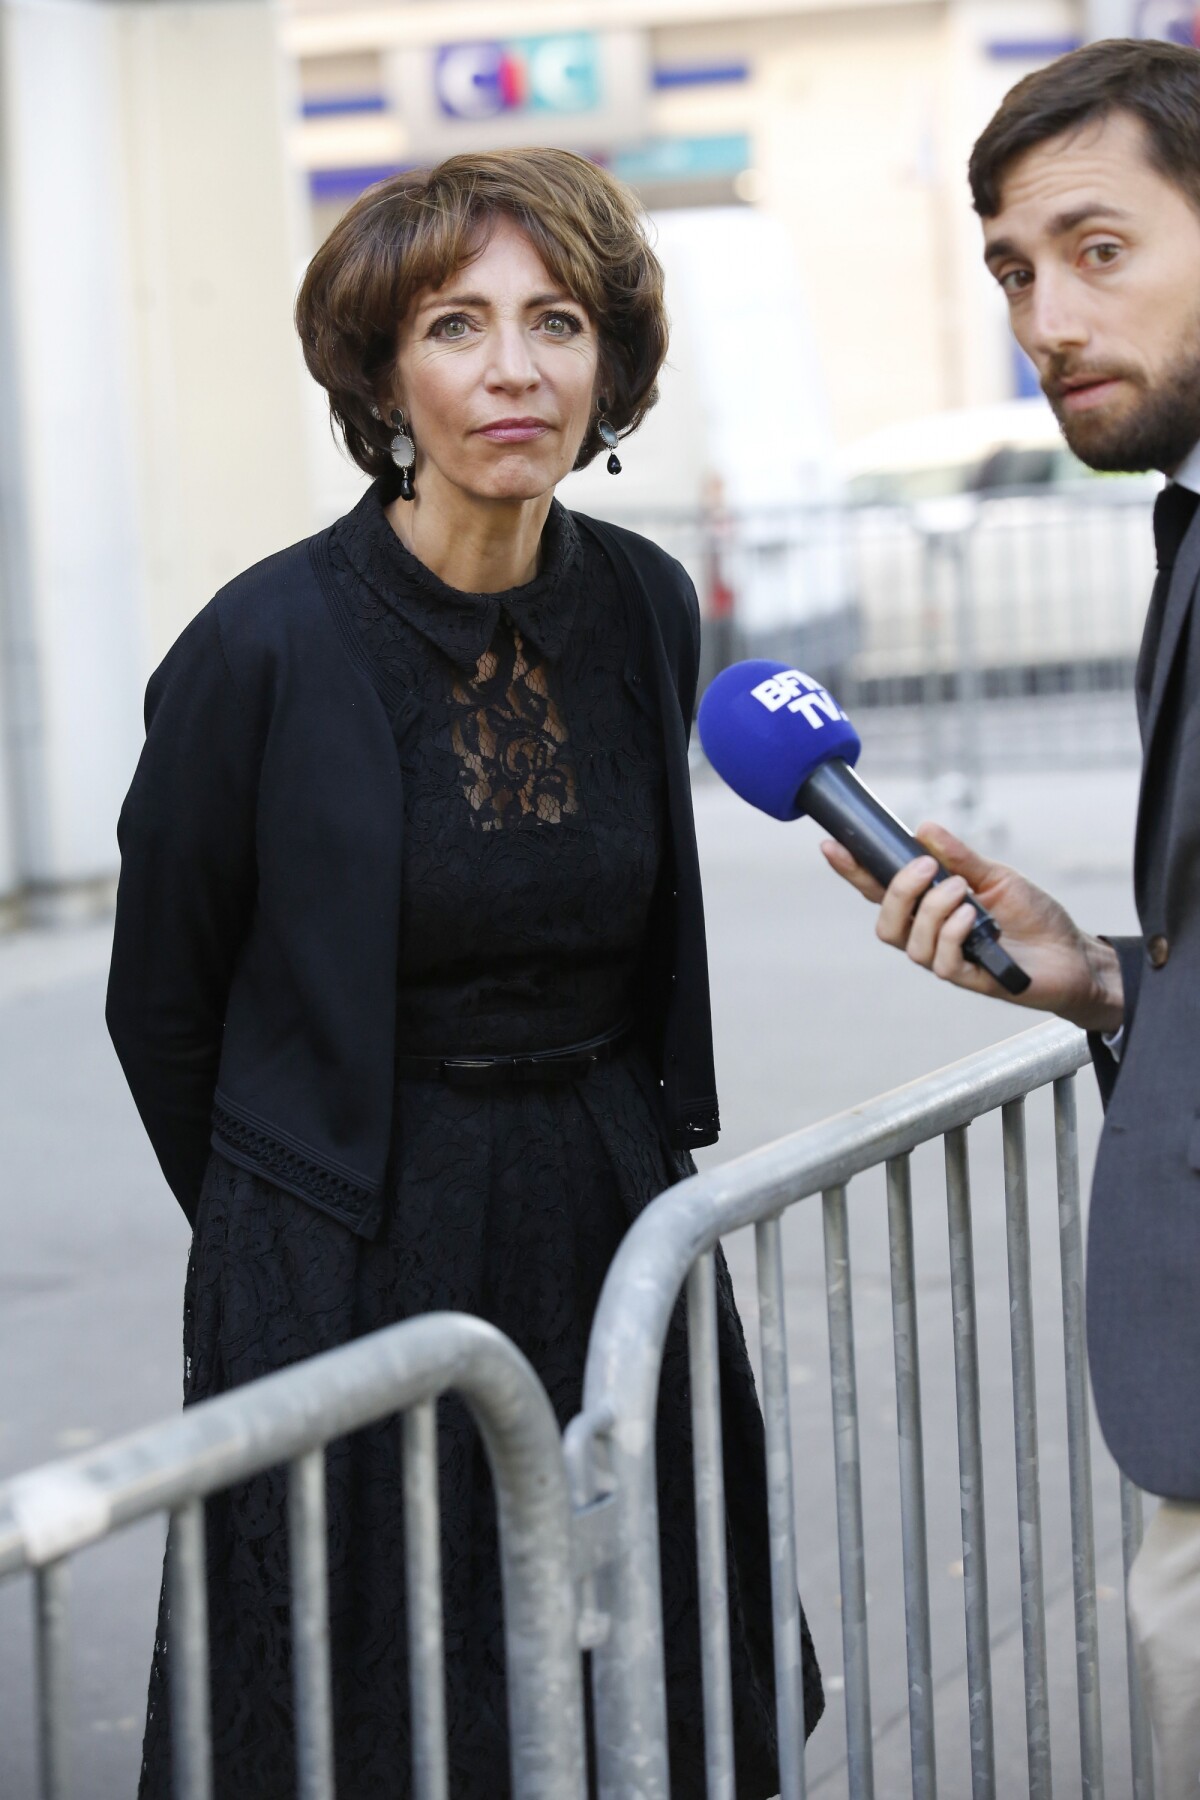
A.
pixel 251 997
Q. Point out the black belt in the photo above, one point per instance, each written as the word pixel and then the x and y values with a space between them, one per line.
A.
pixel 528 1068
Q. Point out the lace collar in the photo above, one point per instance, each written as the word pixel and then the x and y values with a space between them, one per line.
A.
pixel 463 625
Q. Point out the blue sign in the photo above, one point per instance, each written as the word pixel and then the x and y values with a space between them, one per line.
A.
pixel 494 77
pixel 684 158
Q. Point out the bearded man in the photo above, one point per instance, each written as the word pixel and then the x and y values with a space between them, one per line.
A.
pixel 1087 183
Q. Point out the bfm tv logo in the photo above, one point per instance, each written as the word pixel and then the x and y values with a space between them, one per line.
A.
pixel 535 74
pixel 800 694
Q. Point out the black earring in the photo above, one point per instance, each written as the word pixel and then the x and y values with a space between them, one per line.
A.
pixel 608 438
pixel 404 455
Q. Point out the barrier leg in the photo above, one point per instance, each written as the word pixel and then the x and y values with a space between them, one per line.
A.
pixel 187 1634
pixel 423 1598
pixel 709 1473
pixel 912 1481
pixel 51 1588
pixel 970 1466
pixel 1029 1511
pixel 847 1463
pixel 781 1504
pixel 310 1626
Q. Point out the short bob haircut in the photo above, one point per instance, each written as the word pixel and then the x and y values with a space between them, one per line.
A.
pixel 1158 83
pixel 413 231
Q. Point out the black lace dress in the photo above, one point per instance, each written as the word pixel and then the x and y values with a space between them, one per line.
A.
pixel 533 816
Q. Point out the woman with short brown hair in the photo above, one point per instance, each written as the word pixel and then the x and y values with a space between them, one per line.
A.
pixel 409 978
pixel 413 232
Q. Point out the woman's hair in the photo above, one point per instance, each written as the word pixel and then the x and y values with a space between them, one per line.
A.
pixel 1158 83
pixel 413 231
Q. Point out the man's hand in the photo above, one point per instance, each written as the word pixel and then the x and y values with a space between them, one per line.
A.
pixel 1071 974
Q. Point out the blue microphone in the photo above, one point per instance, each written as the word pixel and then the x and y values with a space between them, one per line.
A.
pixel 782 742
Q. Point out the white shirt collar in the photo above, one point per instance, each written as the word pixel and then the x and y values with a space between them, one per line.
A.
pixel 1188 472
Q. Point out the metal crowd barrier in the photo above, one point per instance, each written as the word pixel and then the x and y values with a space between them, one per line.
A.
pixel 50 1513
pixel 581 1563
pixel 982 630
pixel 611 1445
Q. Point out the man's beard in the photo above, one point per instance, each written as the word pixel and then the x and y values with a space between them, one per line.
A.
pixel 1159 431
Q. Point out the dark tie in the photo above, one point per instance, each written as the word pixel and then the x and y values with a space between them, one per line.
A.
pixel 1173 513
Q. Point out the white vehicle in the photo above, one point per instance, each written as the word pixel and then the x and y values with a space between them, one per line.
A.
pixel 979 538
pixel 1016 443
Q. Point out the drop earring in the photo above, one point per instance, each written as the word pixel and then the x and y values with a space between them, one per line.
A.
pixel 404 455
pixel 608 438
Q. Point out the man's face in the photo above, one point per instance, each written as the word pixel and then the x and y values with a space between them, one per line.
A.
pixel 1099 257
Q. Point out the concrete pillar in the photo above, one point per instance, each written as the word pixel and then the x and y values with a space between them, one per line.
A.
pixel 71 587
pixel 217 249
pixel 152 439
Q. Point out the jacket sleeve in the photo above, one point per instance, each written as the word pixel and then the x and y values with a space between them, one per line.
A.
pixel 184 900
pixel 1130 954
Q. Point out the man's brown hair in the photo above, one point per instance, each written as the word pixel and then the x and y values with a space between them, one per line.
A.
pixel 413 231
pixel 1158 83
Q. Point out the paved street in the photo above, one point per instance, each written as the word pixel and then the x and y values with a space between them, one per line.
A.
pixel 812 1016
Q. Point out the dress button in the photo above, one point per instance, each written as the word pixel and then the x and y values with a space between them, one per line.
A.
pixel 1157 949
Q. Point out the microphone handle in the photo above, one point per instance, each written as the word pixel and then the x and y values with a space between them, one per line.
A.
pixel 841 802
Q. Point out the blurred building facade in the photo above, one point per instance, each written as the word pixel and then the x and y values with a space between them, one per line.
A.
pixel 166 168
pixel 848 120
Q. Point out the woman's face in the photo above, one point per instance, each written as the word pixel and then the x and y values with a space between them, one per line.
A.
pixel 496 374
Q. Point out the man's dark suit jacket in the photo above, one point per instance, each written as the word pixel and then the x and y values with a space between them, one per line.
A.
pixel 1143 1283
pixel 251 998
